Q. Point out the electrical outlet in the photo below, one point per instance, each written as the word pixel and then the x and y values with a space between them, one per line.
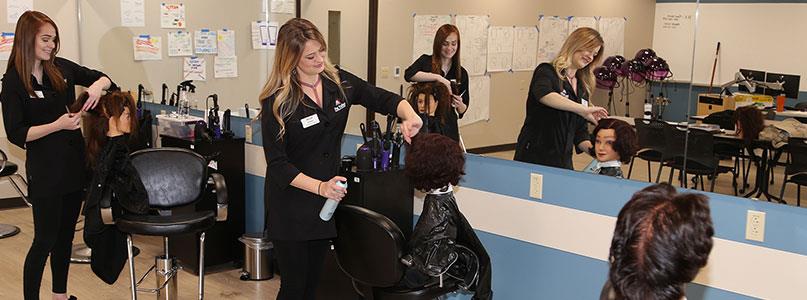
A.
pixel 397 72
pixel 248 133
pixel 755 226
pixel 536 185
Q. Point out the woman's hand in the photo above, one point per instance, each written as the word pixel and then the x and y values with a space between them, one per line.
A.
pixel 593 114
pixel 445 82
pixel 95 91
pixel 329 189
pixel 68 121
pixel 411 122
pixel 456 102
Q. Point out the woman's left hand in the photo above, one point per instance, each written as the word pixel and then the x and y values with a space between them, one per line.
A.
pixel 456 102
pixel 94 92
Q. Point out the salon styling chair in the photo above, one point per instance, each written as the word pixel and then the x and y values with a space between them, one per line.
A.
pixel 369 247
pixel 172 177
pixel 9 170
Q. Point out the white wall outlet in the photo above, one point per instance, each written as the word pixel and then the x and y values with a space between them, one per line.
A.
pixel 755 226
pixel 536 185
pixel 248 133
pixel 397 72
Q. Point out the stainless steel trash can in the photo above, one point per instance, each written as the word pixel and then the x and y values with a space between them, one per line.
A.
pixel 258 255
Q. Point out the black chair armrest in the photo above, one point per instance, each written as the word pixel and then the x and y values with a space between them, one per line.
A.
pixel 105 203
pixel 220 188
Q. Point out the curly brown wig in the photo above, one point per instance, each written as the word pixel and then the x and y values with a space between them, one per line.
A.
pixel 626 142
pixel 440 92
pixel 433 161
pixel 751 122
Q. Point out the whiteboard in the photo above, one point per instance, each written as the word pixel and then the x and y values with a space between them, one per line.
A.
pixel 673 29
pixel 474 39
pixel 500 48
pixel 425 26
pixel 552 33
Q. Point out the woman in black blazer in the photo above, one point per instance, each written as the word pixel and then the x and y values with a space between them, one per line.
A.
pixel 38 88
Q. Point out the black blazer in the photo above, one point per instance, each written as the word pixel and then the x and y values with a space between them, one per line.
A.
pixel 55 163
pixel 292 213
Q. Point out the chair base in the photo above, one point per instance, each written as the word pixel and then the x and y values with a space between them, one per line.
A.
pixel 8 230
pixel 81 254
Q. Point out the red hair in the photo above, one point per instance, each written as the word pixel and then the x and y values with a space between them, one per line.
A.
pixel 22 53
pixel 442 34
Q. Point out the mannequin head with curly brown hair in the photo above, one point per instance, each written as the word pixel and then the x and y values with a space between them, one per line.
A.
pixel 434 161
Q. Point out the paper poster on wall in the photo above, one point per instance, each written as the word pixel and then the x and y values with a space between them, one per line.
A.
pixel 6 43
pixel 525 48
pixel 577 22
pixel 500 48
pixel 204 41
pixel 225 67
pixel 172 15
pixel 474 30
pixel 425 26
pixel 15 8
pixel 552 33
pixel 612 30
pixel 180 43
pixel 479 110
pixel 147 47
pixel 264 35
pixel 194 68
pixel 132 13
pixel 226 43
pixel 283 6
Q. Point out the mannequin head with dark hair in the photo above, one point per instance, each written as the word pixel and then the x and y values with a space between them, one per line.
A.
pixel 433 161
pixel 749 122
pixel 662 239
pixel 430 98
pixel 614 140
pixel 115 115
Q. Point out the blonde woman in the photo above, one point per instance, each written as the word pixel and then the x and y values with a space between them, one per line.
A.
pixel 558 106
pixel 305 106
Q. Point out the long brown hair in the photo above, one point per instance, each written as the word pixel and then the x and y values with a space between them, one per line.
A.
pixel 282 83
pixel 22 53
pixel 433 88
pixel 750 121
pixel 96 121
pixel 442 34
pixel 584 38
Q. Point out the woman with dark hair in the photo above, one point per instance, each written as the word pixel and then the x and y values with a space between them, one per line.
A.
pixel 661 240
pixel 748 123
pixel 558 106
pixel 37 89
pixel 305 105
pixel 430 100
pixel 443 243
pixel 615 142
pixel 443 67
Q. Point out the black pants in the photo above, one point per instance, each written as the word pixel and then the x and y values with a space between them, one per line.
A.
pixel 300 266
pixel 54 226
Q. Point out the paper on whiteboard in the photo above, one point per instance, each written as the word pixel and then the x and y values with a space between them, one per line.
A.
pixel 6 43
pixel 578 22
pixel 180 43
pixel 226 43
pixel 132 13
pixel 15 8
pixel 264 35
pixel 147 47
pixel 479 108
pixel 500 48
pixel 204 42
pixel 525 48
pixel 425 26
pixel 612 30
pixel 225 67
pixel 172 15
pixel 474 36
pixel 552 33
pixel 194 68
pixel 283 6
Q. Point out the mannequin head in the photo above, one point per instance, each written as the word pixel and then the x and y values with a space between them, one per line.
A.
pixel 748 122
pixel 430 98
pixel 115 115
pixel 433 161
pixel 614 140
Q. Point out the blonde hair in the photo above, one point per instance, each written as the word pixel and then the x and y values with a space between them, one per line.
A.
pixel 283 83
pixel 583 38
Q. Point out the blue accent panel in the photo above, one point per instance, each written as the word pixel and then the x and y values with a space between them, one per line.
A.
pixel 730 1
pixel 255 216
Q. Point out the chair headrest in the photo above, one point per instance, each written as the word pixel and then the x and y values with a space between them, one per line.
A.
pixel 368 246
pixel 172 176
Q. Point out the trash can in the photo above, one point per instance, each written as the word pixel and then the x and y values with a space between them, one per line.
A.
pixel 258 255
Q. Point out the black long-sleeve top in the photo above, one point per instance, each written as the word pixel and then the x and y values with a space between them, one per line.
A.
pixel 311 148
pixel 55 162
pixel 548 134
pixel 424 64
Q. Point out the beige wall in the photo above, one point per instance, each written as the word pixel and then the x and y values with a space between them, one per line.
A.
pixel 508 91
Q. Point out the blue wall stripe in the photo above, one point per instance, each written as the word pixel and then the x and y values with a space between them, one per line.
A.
pixel 255 216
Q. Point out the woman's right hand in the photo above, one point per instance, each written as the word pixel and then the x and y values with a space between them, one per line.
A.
pixel 330 190
pixel 68 121
pixel 445 82
pixel 593 114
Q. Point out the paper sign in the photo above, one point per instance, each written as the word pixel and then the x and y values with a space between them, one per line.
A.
pixel 147 47
pixel 264 35
pixel 225 67
pixel 15 8
pixel 180 43
pixel 172 15
pixel 283 6
pixel 226 43
pixel 132 13
pixel 205 42
pixel 6 43
pixel 194 68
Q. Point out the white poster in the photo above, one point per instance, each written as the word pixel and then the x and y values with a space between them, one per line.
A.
pixel 15 8
pixel 172 15
pixel 578 22
pixel 479 108
pixel 425 28
pixel 474 35
pixel 180 43
pixel 6 43
pixel 264 35
pixel 147 47
pixel 225 67
pixel 132 13
pixel 205 41
pixel 525 48
pixel 612 30
pixel 552 33
pixel 500 48
pixel 226 43
pixel 194 68
pixel 283 6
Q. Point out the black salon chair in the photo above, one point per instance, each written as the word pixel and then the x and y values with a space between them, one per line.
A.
pixel 696 158
pixel 9 170
pixel 650 134
pixel 796 170
pixel 369 247
pixel 173 177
